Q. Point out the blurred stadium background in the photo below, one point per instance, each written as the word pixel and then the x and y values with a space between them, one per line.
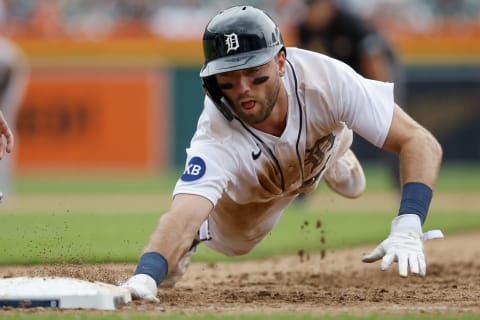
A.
pixel 114 83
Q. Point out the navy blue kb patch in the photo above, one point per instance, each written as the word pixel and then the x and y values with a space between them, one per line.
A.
pixel 195 169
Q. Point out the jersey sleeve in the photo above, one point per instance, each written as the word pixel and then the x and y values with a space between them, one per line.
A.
pixel 342 95
pixel 210 161
pixel 367 107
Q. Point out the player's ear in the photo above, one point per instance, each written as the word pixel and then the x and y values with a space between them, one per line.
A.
pixel 281 59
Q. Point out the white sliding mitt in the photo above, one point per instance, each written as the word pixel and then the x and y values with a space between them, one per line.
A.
pixel 404 245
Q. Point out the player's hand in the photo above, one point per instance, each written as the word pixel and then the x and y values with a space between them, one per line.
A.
pixel 404 245
pixel 142 287
pixel 7 133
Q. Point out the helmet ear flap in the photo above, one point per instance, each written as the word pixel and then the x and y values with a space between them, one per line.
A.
pixel 211 89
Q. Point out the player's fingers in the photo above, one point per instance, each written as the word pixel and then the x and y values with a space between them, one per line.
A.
pixel 387 261
pixel 403 264
pixel 2 147
pixel 375 255
pixel 422 265
pixel 7 133
pixel 10 141
pixel 414 263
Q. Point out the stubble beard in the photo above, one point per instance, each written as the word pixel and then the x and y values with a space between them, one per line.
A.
pixel 267 106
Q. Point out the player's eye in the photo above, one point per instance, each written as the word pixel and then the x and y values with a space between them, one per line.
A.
pixel 260 80
pixel 225 86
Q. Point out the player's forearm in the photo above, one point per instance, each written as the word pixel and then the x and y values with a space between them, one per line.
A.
pixel 420 159
pixel 171 239
pixel 177 228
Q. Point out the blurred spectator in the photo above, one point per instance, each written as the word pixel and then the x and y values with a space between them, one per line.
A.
pixel 99 19
pixel 329 28
pixel 13 80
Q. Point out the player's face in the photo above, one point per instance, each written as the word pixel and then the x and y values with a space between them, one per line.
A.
pixel 252 93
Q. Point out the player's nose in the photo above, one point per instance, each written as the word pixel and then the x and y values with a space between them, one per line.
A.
pixel 243 85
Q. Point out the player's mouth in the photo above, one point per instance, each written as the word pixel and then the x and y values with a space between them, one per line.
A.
pixel 248 105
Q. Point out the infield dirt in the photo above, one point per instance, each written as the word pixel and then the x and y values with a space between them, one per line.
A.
pixel 335 284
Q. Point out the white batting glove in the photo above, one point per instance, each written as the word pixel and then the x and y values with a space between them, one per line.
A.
pixel 142 287
pixel 404 245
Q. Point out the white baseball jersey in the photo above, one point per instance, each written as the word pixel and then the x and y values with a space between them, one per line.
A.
pixel 251 176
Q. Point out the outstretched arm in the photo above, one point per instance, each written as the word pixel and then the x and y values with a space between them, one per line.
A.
pixel 420 153
pixel 170 240
pixel 420 157
pixel 178 227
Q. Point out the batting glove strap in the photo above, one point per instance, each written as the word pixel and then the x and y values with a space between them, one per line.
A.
pixel 412 222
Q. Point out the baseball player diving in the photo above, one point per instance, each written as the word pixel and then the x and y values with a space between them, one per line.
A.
pixel 276 121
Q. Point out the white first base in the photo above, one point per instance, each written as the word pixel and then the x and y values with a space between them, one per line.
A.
pixel 59 292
